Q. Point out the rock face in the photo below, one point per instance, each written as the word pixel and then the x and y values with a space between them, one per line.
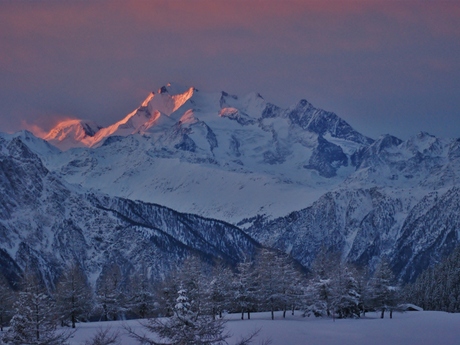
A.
pixel 295 179
pixel 368 224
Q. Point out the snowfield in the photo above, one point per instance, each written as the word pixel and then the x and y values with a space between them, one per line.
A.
pixel 418 328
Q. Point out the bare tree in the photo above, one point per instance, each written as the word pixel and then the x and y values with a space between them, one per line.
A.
pixel 220 288
pixel 246 287
pixel 74 296
pixel 384 289
pixel 109 296
pixel 34 321
pixel 140 296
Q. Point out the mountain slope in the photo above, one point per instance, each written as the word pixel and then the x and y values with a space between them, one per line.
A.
pixel 45 224
pixel 215 154
pixel 295 179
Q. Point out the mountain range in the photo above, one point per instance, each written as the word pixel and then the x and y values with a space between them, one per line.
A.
pixel 219 175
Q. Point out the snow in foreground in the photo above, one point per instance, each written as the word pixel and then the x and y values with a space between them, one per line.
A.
pixel 420 328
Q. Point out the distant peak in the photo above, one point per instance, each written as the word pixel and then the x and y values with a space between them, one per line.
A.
pixel 85 128
pixel 422 135
pixel 304 102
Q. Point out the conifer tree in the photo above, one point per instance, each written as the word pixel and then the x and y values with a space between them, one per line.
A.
pixel 384 289
pixel 320 289
pixel 185 327
pixel 438 287
pixel 74 296
pixel 110 296
pixel 6 301
pixel 345 295
pixel 270 280
pixel 291 281
pixel 192 277
pixel 34 321
pixel 245 287
pixel 141 300
pixel 220 289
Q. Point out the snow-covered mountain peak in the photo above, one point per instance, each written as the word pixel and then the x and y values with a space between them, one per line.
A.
pixel 425 144
pixel 72 133
pixel 386 142
pixel 81 129
pixel 253 104
pixel 168 99
pixel 294 178
pixel 163 109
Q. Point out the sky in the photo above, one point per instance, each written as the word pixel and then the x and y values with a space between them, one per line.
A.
pixel 386 67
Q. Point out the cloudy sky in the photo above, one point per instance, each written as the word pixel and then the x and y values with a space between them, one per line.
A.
pixel 384 66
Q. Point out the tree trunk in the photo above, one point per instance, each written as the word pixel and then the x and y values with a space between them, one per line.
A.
pixel 249 315
pixel 383 313
pixel 391 313
pixel 242 314
pixel 273 314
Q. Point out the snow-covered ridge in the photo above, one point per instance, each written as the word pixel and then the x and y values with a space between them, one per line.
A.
pixel 173 101
pixel 45 223
pixel 214 154
pixel 294 178
pixel 76 133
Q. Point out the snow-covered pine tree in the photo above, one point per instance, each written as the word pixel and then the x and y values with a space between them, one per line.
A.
pixel 34 321
pixel 74 296
pixel 193 276
pixel 319 292
pixel 185 327
pixel 344 293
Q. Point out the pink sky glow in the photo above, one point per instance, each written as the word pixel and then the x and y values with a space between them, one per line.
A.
pixel 384 66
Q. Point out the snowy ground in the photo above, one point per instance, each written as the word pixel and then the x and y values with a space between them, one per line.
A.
pixel 420 328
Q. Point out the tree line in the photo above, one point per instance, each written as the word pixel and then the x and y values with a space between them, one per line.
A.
pixel 271 281
pixel 438 287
